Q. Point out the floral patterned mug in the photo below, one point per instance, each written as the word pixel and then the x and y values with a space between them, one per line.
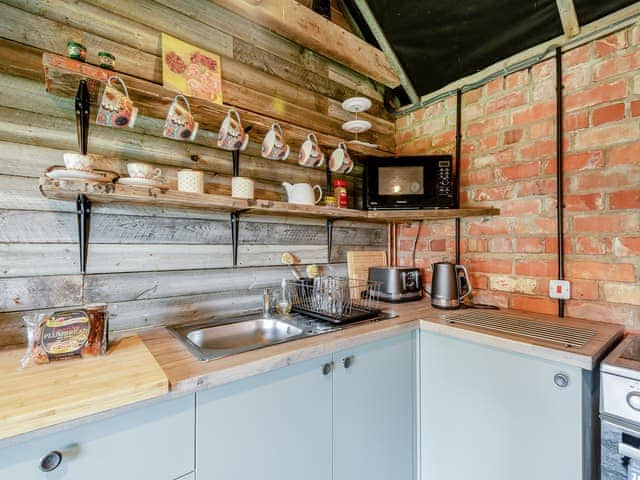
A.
pixel 116 108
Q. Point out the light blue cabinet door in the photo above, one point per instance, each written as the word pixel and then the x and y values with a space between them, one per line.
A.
pixel 489 414
pixel 374 405
pixel 275 426
pixel 155 443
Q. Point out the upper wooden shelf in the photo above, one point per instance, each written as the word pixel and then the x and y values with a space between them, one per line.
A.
pixel 63 74
pixel 116 193
pixel 303 26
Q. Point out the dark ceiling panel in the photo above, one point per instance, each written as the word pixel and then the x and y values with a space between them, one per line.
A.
pixel 438 41
pixel 590 10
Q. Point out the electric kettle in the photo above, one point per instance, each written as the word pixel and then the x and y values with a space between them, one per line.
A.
pixel 449 285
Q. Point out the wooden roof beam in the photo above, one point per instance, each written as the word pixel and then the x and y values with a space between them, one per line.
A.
pixel 568 17
pixel 303 26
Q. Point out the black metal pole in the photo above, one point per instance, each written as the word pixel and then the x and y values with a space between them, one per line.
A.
pixel 559 174
pixel 457 167
pixel 83 210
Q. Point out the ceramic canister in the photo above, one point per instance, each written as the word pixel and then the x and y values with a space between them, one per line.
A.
pixel 191 181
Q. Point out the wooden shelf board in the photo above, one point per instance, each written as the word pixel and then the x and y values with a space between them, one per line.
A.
pixel 116 193
pixel 62 75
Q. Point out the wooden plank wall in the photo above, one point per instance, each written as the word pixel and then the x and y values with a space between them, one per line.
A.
pixel 154 266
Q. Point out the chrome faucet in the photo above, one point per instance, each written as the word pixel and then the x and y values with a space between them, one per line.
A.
pixel 266 303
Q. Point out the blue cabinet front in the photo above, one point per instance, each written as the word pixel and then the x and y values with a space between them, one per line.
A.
pixel 274 426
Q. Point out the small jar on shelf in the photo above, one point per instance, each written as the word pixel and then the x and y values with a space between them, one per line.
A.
pixel 340 193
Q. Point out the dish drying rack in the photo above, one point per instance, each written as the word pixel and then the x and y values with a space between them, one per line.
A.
pixel 335 299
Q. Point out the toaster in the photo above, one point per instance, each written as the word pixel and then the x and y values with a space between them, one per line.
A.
pixel 397 284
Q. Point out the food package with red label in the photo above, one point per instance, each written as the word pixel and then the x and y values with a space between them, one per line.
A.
pixel 66 334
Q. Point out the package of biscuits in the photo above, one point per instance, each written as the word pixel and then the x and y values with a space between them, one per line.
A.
pixel 82 332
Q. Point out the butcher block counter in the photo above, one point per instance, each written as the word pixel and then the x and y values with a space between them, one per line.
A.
pixel 167 361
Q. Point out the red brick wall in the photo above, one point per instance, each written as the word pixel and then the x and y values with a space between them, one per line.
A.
pixel 508 161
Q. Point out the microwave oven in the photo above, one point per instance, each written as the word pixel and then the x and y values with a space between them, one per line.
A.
pixel 411 182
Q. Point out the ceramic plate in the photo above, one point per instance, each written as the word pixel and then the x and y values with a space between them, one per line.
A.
pixel 142 182
pixel 356 104
pixel 356 126
pixel 64 174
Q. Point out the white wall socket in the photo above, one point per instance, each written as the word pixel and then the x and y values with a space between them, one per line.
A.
pixel 560 289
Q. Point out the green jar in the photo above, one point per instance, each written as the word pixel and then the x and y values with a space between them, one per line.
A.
pixel 107 60
pixel 77 51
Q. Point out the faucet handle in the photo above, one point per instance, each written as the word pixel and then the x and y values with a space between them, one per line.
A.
pixel 266 303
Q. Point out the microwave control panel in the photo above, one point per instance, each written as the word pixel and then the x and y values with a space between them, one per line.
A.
pixel 445 189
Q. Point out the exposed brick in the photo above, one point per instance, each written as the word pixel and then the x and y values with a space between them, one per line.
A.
pixel 495 86
pixel 625 199
pixel 505 102
pixel 532 113
pixel 585 202
pixel 544 90
pixel 488 297
pixel 518 171
pixel 610 113
pixel 575 121
pixel 584 289
pixel 403 122
pixel 444 138
pixel 512 284
pixel 621 272
pixel 621 293
pixel 479 280
pixel 542 70
pixel 601 311
pixel 597 137
pixel 473 111
pixel 486 194
pixel 622 223
pixel 603 180
pixel 584 161
pixel 494 265
pixel 476 177
pixel 534 226
pixel 536 268
pixel 577 56
pixel 576 79
pixel 596 95
pixel 471 96
pixel 521 207
pixel 432 126
pixel 476 244
pixel 635 108
pixel 610 44
pixel 534 304
pixel 512 136
pixel 489 125
pixel 616 66
pixel 592 245
pixel 517 79
pixel 529 245
pixel 489 142
pixel 538 149
pixel 626 246
pixel 624 154
pixel 494 226
pixel 542 129
pixel 438 245
pixel 501 245
pixel 543 186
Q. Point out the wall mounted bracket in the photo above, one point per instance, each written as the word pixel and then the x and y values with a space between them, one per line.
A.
pixel 83 210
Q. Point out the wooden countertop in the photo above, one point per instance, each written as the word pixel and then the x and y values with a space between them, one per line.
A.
pixel 166 358
pixel 186 373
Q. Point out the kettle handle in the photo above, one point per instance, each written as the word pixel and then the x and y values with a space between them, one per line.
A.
pixel 463 269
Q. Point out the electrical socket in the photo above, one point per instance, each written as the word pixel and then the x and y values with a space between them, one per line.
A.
pixel 560 289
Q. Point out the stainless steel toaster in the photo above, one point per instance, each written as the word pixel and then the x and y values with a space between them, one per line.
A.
pixel 397 284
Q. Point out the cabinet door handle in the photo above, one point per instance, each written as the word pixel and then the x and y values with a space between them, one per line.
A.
pixel 51 461
pixel 561 380
pixel 347 361
pixel 326 368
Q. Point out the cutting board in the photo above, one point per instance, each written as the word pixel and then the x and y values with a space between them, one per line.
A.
pixel 358 262
pixel 43 395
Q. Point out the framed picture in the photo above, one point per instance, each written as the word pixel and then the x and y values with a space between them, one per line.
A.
pixel 191 70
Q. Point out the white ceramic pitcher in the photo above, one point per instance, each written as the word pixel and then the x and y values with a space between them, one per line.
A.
pixel 303 193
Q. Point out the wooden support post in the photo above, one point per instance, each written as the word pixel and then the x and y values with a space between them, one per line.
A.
pixel 568 17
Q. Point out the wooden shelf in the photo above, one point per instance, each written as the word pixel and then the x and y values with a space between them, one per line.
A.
pixel 303 26
pixel 63 74
pixel 115 193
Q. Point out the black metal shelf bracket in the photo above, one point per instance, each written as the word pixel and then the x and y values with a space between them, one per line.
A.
pixel 235 224
pixel 329 238
pixel 83 210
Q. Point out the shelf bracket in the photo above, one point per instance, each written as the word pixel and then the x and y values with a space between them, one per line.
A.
pixel 235 223
pixel 83 209
pixel 329 238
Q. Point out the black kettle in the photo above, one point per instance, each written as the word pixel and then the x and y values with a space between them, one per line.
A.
pixel 449 285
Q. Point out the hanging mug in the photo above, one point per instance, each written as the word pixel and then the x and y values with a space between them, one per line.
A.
pixel 180 124
pixel 273 146
pixel 116 108
pixel 340 160
pixel 232 135
pixel 310 154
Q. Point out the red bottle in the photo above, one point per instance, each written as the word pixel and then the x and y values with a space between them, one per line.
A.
pixel 340 192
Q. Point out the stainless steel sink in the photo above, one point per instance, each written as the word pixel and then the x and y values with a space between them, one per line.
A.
pixel 219 338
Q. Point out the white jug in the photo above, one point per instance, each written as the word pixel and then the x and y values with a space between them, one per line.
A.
pixel 302 193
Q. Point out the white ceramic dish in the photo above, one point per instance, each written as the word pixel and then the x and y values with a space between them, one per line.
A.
pixel 356 104
pixel 356 126
pixel 142 182
pixel 66 174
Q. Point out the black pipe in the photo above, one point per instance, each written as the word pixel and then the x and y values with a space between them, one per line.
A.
pixel 559 175
pixel 457 167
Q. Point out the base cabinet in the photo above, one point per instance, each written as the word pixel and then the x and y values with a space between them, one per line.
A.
pixel 488 414
pixel 274 426
pixel 156 442
pixel 374 403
